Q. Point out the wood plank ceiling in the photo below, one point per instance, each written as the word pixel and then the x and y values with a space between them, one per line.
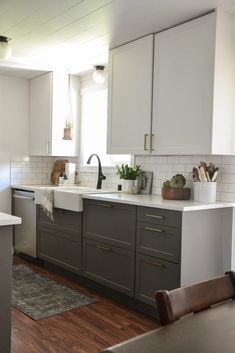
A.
pixel 76 34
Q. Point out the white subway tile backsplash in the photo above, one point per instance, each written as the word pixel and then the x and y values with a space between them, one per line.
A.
pixel 223 187
pixel 228 159
pixel 173 159
pixel 227 196
pixel 37 170
pixel 227 178
pixel 185 159
pixel 161 159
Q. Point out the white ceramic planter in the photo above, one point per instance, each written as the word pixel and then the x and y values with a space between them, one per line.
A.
pixel 129 186
pixel 204 191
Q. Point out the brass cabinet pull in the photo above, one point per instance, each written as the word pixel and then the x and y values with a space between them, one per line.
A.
pixel 104 205
pixel 154 230
pixel 149 262
pixel 104 248
pixel 145 142
pixel 154 216
pixel 151 142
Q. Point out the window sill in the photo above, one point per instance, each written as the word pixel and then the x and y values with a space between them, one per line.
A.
pixel 94 169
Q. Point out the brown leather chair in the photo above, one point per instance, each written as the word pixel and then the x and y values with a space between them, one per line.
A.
pixel 176 303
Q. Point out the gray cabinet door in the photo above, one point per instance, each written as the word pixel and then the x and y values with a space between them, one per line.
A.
pixel 63 219
pixel 153 274
pixel 109 265
pixel 59 241
pixel 158 240
pixel 60 248
pixel 109 222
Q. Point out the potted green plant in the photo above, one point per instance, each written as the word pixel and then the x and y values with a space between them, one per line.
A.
pixel 175 189
pixel 129 176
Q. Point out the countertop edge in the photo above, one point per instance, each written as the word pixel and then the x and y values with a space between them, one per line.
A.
pixel 158 202
pixel 8 220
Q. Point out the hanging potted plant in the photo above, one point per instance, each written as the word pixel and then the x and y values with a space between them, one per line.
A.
pixel 68 130
pixel 129 176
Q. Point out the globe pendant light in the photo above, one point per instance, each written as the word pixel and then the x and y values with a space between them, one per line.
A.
pixel 99 74
pixel 5 48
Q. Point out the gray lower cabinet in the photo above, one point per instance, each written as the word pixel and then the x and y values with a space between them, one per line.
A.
pixel 158 252
pixel 109 265
pixel 59 241
pixel 152 274
pixel 110 222
pixel 109 244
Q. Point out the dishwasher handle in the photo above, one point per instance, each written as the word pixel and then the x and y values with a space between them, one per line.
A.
pixel 32 198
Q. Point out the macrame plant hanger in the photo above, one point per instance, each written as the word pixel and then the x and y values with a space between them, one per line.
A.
pixel 68 129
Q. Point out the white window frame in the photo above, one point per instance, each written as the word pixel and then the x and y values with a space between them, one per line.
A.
pixel 87 84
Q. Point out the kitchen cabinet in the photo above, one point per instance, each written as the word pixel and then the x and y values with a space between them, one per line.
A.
pixel 59 241
pixel 109 244
pixel 109 265
pixel 48 109
pixel 194 82
pixel 193 92
pixel 130 97
pixel 158 252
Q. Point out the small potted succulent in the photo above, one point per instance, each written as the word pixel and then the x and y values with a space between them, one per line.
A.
pixel 129 175
pixel 175 189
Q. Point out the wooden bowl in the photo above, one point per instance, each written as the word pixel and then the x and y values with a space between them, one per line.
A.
pixel 176 194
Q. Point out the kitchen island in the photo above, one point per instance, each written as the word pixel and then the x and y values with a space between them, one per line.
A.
pixel 6 223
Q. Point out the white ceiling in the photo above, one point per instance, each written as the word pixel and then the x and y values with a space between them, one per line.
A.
pixel 76 34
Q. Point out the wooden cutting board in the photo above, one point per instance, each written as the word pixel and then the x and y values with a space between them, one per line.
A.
pixel 58 167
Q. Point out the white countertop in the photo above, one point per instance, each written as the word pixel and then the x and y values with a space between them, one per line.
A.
pixel 139 200
pixel 157 201
pixel 34 187
pixel 7 220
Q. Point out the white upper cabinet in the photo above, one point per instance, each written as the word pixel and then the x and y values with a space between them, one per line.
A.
pixel 40 113
pixel 193 100
pixel 48 111
pixel 130 97
pixel 194 87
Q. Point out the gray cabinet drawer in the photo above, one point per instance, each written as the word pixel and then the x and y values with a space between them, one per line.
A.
pixel 153 274
pixel 68 220
pixel 158 240
pixel 60 248
pixel 109 265
pixel 159 216
pixel 112 223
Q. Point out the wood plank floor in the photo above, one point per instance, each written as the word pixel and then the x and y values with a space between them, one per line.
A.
pixel 88 329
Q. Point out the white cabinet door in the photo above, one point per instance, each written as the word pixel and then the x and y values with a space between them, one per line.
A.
pixel 40 115
pixel 130 97
pixel 183 88
pixel 48 110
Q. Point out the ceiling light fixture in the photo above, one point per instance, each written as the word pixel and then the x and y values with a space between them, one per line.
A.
pixel 5 48
pixel 99 74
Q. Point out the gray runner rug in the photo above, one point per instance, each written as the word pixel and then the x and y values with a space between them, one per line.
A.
pixel 39 297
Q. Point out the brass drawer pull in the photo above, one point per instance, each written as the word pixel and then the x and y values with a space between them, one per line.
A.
pixel 104 248
pixel 149 262
pixel 154 216
pixel 154 230
pixel 104 205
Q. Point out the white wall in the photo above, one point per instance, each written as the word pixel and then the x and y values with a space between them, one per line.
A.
pixel 14 103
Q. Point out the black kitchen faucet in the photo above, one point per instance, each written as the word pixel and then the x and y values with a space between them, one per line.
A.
pixel 101 176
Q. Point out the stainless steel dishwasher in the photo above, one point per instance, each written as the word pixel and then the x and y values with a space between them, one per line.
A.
pixel 25 234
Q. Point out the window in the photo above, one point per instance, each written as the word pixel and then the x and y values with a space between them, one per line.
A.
pixel 94 124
